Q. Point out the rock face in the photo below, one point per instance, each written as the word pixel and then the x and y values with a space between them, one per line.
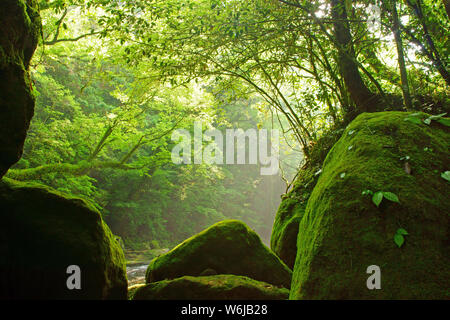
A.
pixel 21 27
pixel 284 234
pixel 228 247
pixel 217 287
pixel 283 240
pixel 42 233
pixel 343 232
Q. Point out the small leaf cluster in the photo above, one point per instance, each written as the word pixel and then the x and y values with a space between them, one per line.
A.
pixel 378 196
pixel 399 238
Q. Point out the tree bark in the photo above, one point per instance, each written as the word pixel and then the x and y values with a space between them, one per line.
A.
pixel 401 58
pixel 440 65
pixel 447 7
pixel 365 100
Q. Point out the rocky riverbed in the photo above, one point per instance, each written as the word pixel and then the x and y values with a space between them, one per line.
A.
pixel 137 263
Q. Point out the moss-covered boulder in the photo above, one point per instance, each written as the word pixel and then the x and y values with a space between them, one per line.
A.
pixel 283 240
pixel 343 232
pixel 133 288
pixel 227 247
pixel 21 27
pixel 217 287
pixel 42 233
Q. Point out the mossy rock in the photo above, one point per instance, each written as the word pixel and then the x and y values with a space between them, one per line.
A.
pixel 228 247
pixel 217 287
pixel 343 232
pixel 19 34
pixel 283 240
pixel 43 232
pixel 132 290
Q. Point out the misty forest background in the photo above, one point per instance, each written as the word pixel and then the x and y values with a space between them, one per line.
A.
pixel 113 80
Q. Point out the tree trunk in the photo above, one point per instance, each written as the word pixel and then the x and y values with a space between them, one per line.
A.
pixel 401 58
pixel 440 65
pixel 365 100
pixel 447 7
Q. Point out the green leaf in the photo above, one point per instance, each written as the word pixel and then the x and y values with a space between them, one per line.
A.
pixel 342 175
pixel 402 231
pixel 377 197
pixel 351 132
pixel 444 121
pixel 391 196
pixel 437 116
pixel 413 120
pixel 399 240
pixel 446 175
pixel 350 148
pixel 367 192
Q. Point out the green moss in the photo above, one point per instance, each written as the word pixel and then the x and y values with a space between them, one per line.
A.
pixel 21 27
pixel 217 287
pixel 342 232
pixel 132 290
pixel 283 240
pixel 228 247
pixel 42 233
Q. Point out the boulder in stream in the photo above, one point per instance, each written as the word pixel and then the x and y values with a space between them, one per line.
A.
pixel 227 247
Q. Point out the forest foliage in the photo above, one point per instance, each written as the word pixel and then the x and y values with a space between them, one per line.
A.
pixel 113 79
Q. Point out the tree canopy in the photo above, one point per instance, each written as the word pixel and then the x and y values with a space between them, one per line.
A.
pixel 115 78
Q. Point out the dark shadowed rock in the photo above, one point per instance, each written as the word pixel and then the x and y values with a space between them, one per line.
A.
pixel 19 33
pixel 42 233
pixel 217 287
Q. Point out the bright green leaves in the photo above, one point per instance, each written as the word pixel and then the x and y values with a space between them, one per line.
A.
pixel 445 175
pixel 391 196
pixel 417 118
pixel 444 121
pixel 378 196
pixel 413 118
pixel 399 238
pixel 439 118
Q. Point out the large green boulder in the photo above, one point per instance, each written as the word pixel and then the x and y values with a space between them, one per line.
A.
pixel 285 230
pixel 217 287
pixel 19 34
pixel 227 247
pixel 42 233
pixel 343 231
pixel 283 240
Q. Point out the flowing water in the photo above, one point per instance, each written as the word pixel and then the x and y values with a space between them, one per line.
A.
pixel 136 273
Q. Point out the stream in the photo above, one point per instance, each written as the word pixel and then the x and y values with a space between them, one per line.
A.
pixel 136 274
pixel 137 263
